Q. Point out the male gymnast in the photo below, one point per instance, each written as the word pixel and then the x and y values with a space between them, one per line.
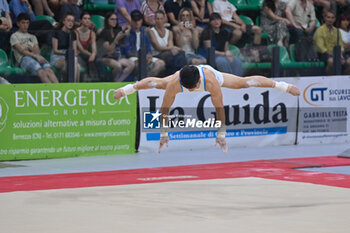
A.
pixel 201 78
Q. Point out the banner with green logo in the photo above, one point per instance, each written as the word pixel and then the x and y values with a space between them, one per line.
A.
pixel 64 120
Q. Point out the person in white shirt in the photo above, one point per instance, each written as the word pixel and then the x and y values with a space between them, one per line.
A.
pixel 234 23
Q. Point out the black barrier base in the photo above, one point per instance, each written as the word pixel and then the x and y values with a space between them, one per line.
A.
pixel 23 78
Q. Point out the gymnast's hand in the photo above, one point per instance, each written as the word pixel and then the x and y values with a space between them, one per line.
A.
pixel 163 140
pixel 222 143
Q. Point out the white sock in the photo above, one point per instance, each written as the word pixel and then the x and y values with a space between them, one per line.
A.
pixel 281 86
pixel 128 89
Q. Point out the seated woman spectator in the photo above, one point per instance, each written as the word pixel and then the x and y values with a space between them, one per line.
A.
pixel 39 28
pixel 62 38
pixel 86 44
pixel 202 9
pixel 344 28
pixel 214 35
pixel 5 26
pixel 27 52
pixel 273 22
pixel 163 45
pixel 72 7
pixel 109 42
pixel 149 9
pixel 187 37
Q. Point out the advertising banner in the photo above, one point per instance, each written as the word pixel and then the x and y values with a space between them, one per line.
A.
pixel 63 120
pixel 254 117
pixel 324 109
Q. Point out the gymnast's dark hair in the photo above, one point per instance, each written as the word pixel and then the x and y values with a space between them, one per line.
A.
pixel 189 76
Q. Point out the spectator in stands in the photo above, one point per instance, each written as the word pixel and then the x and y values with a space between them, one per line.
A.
pixel 234 23
pixel 109 42
pixel 344 28
pixel 273 22
pixel 149 9
pixel 187 37
pixel 123 8
pixel 325 38
pixel 133 45
pixel 202 9
pixel 39 28
pixel 301 14
pixel 172 9
pixel 27 52
pixel 214 35
pixel 56 5
pixel 40 6
pixel 163 46
pixel 72 7
pixel 64 38
pixel 5 25
pixel 86 44
pixel 326 5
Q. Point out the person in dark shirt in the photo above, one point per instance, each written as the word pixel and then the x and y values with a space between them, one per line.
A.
pixel 214 35
pixel 62 39
pixel 108 43
pixel 71 6
pixel 172 8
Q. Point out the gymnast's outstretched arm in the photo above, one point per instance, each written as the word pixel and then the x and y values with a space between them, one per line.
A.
pixel 146 83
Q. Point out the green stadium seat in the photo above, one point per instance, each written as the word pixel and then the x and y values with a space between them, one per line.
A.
pixel 287 62
pixel 248 65
pixel 98 20
pixel 96 5
pixel 239 4
pixel 255 5
pixel 46 17
pixel 303 64
pixel 5 68
pixel 248 21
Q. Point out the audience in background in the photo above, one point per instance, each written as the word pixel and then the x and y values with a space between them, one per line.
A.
pixel 214 35
pixel 40 28
pixel 186 37
pixel 325 38
pixel 64 38
pixel 234 24
pixel 273 22
pixel 86 44
pixel 202 10
pixel 301 14
pixel 5 25
pixel 123 8
pixel 117 47
pixel 139 37
pixel 344 28
pixel 172 9
pixel 109 42
pixel 71 7
pixel 149 9
pixel 163 45
pixel 40 6
pixel 27 52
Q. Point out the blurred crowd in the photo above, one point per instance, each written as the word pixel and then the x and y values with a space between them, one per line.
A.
pixel 35 35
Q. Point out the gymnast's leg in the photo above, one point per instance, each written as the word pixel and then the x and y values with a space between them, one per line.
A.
pixel 236 82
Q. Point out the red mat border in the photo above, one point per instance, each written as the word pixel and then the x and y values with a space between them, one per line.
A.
pixel 283 169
